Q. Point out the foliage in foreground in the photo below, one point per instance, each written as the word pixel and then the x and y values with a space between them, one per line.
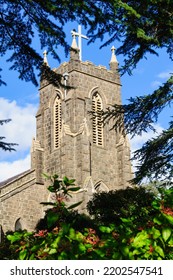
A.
pixel 134 203
pixel 152 239
pixel 4 145
pixel 155 158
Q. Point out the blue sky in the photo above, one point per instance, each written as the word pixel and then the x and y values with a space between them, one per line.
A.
pixel 19 100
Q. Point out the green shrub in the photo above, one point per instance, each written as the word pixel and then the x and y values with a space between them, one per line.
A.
pixel 138 229
pixel 110 207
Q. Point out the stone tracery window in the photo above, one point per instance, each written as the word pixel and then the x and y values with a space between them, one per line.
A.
pixel 97 119
pixel 57 122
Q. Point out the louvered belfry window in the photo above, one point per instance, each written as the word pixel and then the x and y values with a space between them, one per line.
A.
pixel 97 119
pixel 57 122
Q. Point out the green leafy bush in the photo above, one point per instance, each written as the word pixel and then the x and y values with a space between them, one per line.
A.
pixel 139 229
pixel 133 203
pixel 59 213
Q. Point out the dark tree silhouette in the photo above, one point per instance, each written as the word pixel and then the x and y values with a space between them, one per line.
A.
pixel 3 145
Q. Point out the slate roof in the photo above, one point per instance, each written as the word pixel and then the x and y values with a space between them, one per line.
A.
pixel 5 182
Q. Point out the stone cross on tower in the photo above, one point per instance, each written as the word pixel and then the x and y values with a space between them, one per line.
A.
pixel 80 36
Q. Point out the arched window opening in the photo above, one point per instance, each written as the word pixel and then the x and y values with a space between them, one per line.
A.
pixel 57 122
pixel 18 224
pixel 97 119
pixel 1 234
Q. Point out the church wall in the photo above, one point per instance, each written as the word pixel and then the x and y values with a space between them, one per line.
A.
pixel 103 159
pixel 21 200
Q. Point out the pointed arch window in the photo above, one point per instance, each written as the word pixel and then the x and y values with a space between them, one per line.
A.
pixel 18 224
pixel 97 119
pixel 57 122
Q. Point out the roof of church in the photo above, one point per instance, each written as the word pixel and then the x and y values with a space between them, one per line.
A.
pixel 5 182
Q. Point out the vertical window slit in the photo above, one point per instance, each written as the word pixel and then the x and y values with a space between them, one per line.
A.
pixel 57 122
pixel 97 119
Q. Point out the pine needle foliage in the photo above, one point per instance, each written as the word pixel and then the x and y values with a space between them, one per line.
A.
pixel 3 145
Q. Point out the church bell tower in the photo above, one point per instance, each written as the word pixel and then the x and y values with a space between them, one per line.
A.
pixel 69 140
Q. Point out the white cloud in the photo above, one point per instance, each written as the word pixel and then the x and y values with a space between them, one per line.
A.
pixel 137 142
pixel 21 129
pixel 165 75
pixel 156 84
pixel 9 169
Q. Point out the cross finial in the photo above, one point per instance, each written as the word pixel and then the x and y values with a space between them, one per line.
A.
pixel 80 37
pixel 113 58
pixel 45 58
